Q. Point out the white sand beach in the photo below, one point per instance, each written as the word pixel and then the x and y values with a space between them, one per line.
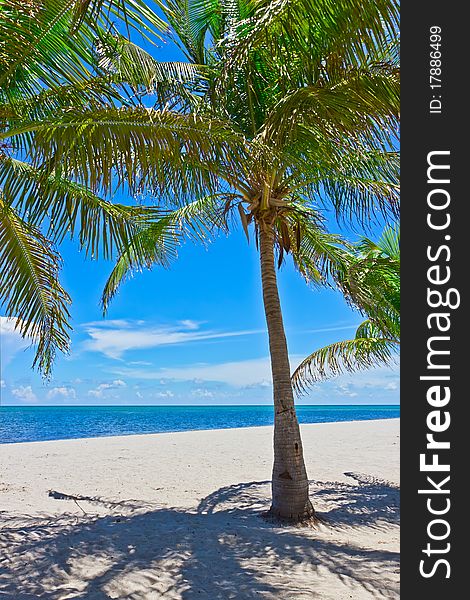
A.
pixel 177 516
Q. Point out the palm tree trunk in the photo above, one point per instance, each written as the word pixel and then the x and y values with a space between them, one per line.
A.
pixel 290 498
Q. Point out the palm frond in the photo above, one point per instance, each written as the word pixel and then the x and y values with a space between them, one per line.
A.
pixel 29 286
pixel 49 199
pixel 369 278
pixel 136 14
pixel 88 93
pixel 347 356
pixel 174 151
pixel 316 29
pixel 317 254
pixel 38 46
pixel 153 245
pixel 371 282
pixel 362 106
pixel 188 38
pixel 128 63
pixel 363 186
pixel 389 242
pixel 51 42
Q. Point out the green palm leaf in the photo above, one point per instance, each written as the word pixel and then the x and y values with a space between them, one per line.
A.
pixel 29 286
pixel 369 277
pixel 98 145
pixel 333 27
pixel 68 208
pixel 347 356
pixel 363 105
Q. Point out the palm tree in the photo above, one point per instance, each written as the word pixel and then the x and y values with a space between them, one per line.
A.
pixel 293 105
pixel 316 106
pixel 371 283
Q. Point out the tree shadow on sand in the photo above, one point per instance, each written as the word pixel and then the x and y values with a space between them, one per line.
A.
pixel 371 501
pixel 220 550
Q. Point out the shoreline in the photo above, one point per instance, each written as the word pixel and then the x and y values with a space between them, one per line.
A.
pixel 127 435
pixel 185 405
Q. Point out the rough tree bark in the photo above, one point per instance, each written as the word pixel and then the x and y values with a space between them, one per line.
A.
pixel 290 498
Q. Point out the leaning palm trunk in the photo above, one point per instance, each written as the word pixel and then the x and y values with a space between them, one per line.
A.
pixel 290 498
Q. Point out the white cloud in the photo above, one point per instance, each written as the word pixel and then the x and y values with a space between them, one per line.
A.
pixel 66 393
pixel 189 324
pixel 2 383
pixel 346 389
pixel 376 385
pixel 334 328
pixel 165 394
pixel 254 372
pixel 25 393
pixel 202 393
pixel 260 384
pixel 11 342
pixel 118 383
pixel 379 385
pixel 99 392
pixel 140 363
pixel 115 338
pixel 114 323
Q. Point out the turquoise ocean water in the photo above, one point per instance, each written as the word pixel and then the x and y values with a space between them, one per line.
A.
pixel 31 424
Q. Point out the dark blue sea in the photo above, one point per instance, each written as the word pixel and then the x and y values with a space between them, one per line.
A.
pixel 33 424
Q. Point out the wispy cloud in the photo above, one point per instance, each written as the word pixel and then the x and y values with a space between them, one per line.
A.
pixel 335 328
pixel 236 373
pixel 140 363
pixel 386 377
pixel 346 389
pixel 379 384
pixel 202 393
pixel 100 391
pixel 115 323
pixel 164 394
pixel 374 385
pixel 115 338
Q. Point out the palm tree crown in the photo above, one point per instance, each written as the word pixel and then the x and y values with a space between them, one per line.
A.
pixel 302 118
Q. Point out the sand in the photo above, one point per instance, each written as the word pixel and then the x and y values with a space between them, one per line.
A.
pixel 177 516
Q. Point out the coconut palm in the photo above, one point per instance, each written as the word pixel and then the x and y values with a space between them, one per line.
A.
pixel 309 93
pixel 293 107
pixel 371 283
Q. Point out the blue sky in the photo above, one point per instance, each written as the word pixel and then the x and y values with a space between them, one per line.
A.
pixel 195 334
